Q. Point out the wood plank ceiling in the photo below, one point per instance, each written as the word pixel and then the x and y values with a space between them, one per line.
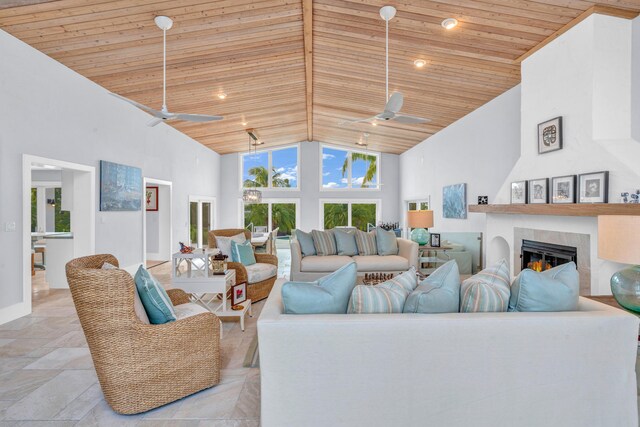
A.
pixel 296 69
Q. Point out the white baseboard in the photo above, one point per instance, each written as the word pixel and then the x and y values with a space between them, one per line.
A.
pixel 13 312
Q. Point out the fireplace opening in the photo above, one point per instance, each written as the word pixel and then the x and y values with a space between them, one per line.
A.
pixel 541 256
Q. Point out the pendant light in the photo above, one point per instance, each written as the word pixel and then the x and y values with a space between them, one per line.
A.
pixel 251 195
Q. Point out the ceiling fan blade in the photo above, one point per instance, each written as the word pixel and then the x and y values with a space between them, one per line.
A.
pixel 137 104
pixel 402 118
pixel 394 104
pixel 154 122
pixel 196 117
pixel 354 121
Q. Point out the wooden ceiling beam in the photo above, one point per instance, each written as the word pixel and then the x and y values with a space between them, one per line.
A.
pixel 307 19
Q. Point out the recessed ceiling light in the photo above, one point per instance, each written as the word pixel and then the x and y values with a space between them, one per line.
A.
pixel 244 123
pixel 449 23
pixel 419 63
pixel 222 95
pixel 374 124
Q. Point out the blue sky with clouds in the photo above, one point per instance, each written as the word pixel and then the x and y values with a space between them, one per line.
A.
pixel 332 161
pixel 284 161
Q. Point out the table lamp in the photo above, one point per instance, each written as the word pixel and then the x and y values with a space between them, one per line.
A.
pixel 618 241
pixel 419 220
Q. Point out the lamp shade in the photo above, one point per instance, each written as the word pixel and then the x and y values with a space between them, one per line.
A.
pixel 420 219
pixel 618 238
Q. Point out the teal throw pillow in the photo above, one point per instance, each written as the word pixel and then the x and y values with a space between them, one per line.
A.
pixel 154 298
pixel 556 289
pixel 386 297
pixel 366 243
pixel 324 242
pixel 306 242
pixel 327 295
pixel 487 291
pixel 387 242
pixel 345 242
pixel 242 253
pixel 438 293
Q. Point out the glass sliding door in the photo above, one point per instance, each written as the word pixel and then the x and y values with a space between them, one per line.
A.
pixel 272 214
pixel 343 213
pixel 283 217
pixel 336 215
pixel 201 220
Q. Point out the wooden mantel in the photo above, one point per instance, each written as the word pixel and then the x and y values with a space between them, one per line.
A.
pixel 578 209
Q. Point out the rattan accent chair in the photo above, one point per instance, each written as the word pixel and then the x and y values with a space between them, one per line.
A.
pixel 140 366
pixel 255 291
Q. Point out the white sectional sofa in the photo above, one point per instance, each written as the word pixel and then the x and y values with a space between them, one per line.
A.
pixel 313 267
pixel 461 369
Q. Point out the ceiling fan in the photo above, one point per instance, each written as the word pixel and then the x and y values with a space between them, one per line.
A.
pixel 165 23
pixel 394 102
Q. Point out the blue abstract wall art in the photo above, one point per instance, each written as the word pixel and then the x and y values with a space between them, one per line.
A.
pixel 454 201
pixel 120 187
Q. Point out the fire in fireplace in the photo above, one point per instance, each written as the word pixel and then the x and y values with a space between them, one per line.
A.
pixel 541 256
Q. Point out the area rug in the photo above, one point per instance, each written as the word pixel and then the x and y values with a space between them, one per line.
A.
pixel 252 358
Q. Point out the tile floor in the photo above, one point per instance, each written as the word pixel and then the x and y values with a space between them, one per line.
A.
pixel 47 376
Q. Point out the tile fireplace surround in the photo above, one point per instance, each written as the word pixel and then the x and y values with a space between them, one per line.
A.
pixel 582 243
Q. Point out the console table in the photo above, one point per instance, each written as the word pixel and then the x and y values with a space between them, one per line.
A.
pixel 424 256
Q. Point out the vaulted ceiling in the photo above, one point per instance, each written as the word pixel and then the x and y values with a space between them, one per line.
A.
pixel 296 69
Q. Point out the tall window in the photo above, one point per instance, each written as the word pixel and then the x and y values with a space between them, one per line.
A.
pixel 345 213
pixel 62 218
pixel 34 209
pixel 277 168
pixel 272 214
pixel 200 220
pixel 418 205
pixel 349 169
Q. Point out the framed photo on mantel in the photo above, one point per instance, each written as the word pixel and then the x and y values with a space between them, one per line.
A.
pixel 594 187
pixel 519 192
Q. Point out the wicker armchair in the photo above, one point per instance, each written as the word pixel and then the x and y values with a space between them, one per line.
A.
pixel 255 291
pixel 140 366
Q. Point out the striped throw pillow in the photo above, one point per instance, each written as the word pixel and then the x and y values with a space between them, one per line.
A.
pixel 325 242
pixel 366 243
pixel 487 291
pixel 387 297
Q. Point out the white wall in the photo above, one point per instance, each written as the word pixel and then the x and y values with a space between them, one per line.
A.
pixel 309 193
pixel 50 111
pixel 479 149
pixel 590 87
pixel 635 80
pixel 596 122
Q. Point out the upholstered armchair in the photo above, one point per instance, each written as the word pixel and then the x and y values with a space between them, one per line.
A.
pixel 259 277
pixel 140 366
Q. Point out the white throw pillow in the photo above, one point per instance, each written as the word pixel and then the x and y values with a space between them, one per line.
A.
pixel 224 243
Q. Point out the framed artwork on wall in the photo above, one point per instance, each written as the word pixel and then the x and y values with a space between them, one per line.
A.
pixel 454 201
pixel 538 191
pixel 120 187
pixel 594 187
pixel 550 135
pixel 563 189
pixel 519 193
pixel 151 197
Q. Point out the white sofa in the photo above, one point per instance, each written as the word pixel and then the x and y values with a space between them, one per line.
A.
pixel 460 369
pixel 313 267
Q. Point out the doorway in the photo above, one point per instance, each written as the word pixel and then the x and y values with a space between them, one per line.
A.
pixel 201 220
pixel 157 222
pixel 58 221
